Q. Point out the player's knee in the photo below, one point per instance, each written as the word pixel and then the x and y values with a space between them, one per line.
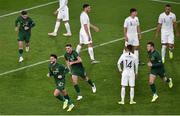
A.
pixel 58 20
pixel 56 94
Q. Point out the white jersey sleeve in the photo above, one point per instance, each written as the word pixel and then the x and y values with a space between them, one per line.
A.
pixel 174 18
pixel 138 21
pixel 84 19
pixel 160 20
pixel 125 23
pixel 119 62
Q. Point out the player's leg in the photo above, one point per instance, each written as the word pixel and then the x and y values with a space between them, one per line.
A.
pixel 171 45
pixel 57 25
pixel 132 85
pixel 68 29
pixel 92 84
pixel 79 47
pixel 165 79
pixel 124 83
pixel 67 101
pixel 27 42
pixel 152 79
pixel 20 45
pixel 76 86
pixel 91 53
pixel 164 46
pixel 136 51
pixel 58 95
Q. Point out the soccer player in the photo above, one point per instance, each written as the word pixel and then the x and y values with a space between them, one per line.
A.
pixel 156 68
pixel 167 24
pixel 58 71
pixel 130 71
pixel 23 25
pixel 62 15
pixel 85 34
pixel 132 32
pixel 75 65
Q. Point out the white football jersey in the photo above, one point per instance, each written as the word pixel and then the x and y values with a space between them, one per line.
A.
pixel 63 4
pixel 129 61
pixel 84 19
pixel 131 24
pixel 167 22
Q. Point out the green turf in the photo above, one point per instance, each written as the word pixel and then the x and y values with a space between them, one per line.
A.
pixel 30 92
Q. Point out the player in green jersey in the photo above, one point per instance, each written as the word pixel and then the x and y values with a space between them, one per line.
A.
pixel 75 65
pixel 58 71
pixel 23 25
pixel 156 69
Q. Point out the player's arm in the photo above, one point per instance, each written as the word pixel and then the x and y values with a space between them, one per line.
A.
pixel 87 31
pixel 175 26
pixel 95 28
pixel 136 66
pixel 125 30
pixel 119 64
pixel 160 21
pixel 50 73
pixel 79 60
pixel 139 32
pixel 17 25
pixel 32 24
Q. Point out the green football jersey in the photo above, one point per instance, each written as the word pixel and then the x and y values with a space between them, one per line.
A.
pixel 155 59
pixel 22 23
pixel 73 57
pixel 58 71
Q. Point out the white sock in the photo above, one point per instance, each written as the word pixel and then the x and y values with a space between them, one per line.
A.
pixel 163 51
pixel 57 25
pixel 78 49
pixel 132 94
pixel 123 92
pixel 91 53
pixel 68 29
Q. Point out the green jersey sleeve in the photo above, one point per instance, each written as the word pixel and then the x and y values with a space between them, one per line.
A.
pixel 158 62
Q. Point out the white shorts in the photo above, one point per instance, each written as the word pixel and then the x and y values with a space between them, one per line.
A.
pixel 84 39
pixel 63 15
pixel 167 38
pixel 132 40
pixel 128 79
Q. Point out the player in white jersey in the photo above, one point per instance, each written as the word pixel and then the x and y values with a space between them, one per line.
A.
pixel 62 15
pixel 85 34
pixel 132 31
pixel 129 73
pixel 167 24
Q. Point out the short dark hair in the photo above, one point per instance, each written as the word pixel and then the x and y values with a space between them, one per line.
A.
pixel 68 45
pixel 168 5
pixel 133 10
pixel 85 6
pixel 150 43
pixel 130 48
pixel 54 56
pixel 24 12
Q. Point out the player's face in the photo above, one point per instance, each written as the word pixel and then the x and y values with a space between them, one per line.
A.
pixel 167 10
pixel 149 48
pixel 52 60
pixel 88 9
pixel 24 16
pixel 134 13
pixel 68 49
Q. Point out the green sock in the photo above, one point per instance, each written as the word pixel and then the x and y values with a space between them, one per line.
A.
pixel 60 97
pixel 77 89
pixel 90 82
pixel 153 88
pixel 20 52
pixel 68 98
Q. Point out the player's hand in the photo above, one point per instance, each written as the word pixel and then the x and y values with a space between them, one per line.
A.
pixel 16 29
pixel 55 12
pixel 96 29
pixel 149 64
pixel 71 63
pixel 26 28
pixel 59 76
pixel 48 75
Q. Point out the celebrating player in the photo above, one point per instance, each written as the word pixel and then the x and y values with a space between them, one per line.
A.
pixel 167 24
pixel 85 34
pixel 62 15
pixel 58 71
pixel 75 65
pixel 130 70
pixel 23 25
pixel 156 68
pixel 132 31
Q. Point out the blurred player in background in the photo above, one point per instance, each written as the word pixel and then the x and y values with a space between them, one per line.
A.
pixel 85 34
pixel 62 15
pixel 167 24
pixel 23 25
pixel 130 71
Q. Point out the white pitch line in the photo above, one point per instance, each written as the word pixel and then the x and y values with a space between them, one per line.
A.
pixel 163 1
pixel 45 61
pixel 31 8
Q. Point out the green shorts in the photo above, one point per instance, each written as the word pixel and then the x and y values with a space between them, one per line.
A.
pixel 24 37
pixel 79 72
pixel 60 85
pixel 158 72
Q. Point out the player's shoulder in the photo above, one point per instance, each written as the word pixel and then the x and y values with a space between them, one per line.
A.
pixel 162 14
pixel 172 14
pixel 127 18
